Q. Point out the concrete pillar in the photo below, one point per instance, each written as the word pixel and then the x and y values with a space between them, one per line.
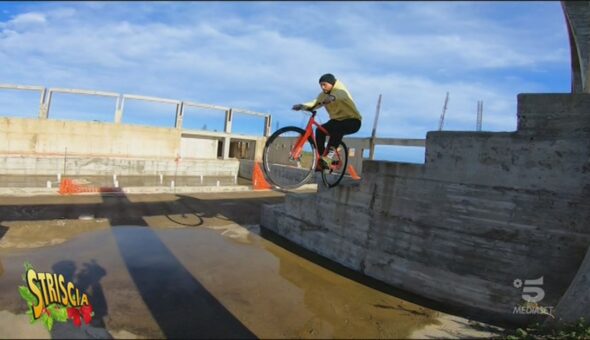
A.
pixel 575 303
pixel 119 109
pixel 267 124
pixel 226 142
pixel 228 121
pixel 259 149
pixel 44 105
pixel 577 15
pixel 179 115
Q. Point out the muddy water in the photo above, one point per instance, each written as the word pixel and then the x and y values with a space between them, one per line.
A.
pixel 216 281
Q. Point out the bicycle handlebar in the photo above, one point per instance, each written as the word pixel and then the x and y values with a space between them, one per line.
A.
pixel 317 106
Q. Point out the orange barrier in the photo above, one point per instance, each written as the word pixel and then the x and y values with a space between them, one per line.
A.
pixel 258 180
pixel 68 187
pixel 353 173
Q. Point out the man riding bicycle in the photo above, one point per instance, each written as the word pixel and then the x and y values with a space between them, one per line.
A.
pixel 345 118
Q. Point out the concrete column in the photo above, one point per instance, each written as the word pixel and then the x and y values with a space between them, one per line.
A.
pixel 259 149
pixel 577 15
pixel 575 303
pixel 228 121
pixel 179 115
pixel 44 104
pixel 267 125
pixel 119 109
pixel 226 142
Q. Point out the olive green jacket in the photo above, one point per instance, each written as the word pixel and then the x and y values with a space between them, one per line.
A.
pixel 341 108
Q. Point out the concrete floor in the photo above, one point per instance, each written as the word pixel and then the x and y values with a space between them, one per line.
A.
pixel 198 266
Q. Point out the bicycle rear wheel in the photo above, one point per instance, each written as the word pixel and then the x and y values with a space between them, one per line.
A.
pixel 331 177
pixel 282 167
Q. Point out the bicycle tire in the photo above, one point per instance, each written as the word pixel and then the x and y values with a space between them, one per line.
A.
pixel 279 181
pixel 330 179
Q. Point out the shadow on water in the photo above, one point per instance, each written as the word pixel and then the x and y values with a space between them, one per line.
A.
pixel 181 306
pixel 179 303
pixel 3 231
pixel 87 280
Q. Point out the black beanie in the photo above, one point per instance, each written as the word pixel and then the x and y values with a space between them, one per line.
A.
pixel 328 78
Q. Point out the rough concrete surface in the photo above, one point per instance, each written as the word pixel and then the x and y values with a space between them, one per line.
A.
pixel 485 210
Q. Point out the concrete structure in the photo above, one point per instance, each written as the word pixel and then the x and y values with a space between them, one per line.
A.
pixel 45 146
pixel 484 210
pixel 177 141
pixel 577 15
pixel 484 214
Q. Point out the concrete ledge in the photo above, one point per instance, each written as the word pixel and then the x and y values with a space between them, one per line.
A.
pixel 557 112
pixel 126 190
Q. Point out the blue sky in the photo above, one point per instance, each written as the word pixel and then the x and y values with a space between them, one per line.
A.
pixel 267 56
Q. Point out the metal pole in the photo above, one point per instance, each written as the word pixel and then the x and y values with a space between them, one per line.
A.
pixel 479 115
pixel 374 132
pixel 65 157
pixel 442 116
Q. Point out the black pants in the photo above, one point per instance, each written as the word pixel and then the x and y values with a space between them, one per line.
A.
pixel 337 129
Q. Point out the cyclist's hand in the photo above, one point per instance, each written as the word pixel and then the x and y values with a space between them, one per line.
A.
pixel 329 98
pixel 298 107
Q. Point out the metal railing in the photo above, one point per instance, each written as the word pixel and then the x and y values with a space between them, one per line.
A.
pixel 225 136
pixel 47 93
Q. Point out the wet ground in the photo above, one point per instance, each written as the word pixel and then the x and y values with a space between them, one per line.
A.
pixel 198 266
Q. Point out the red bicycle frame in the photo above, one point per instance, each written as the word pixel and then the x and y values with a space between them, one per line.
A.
pixel 298 147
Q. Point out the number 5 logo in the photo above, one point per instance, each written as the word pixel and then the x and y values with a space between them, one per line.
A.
pixel 538 292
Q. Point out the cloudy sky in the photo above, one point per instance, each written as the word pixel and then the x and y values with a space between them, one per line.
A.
pixel 267 56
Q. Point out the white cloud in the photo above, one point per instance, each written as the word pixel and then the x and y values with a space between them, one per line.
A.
pixel 268 56
pixel 26 20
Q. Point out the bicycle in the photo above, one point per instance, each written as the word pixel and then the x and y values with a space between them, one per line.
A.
pixel 292 168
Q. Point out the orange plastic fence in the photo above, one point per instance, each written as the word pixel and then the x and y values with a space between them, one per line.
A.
pixel 353 173
pixel 258 180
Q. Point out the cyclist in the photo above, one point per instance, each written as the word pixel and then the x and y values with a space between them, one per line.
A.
pixel 345 118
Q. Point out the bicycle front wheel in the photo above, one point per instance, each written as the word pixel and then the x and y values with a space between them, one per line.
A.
pixel 284 166
pixel 332 176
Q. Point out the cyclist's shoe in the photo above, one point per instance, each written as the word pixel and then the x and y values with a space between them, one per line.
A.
pixel 320 165
pixel 327 160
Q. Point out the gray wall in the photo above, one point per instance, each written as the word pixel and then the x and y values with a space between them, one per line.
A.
pixel 485 209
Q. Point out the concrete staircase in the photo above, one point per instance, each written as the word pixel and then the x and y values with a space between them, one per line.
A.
pixel 484 210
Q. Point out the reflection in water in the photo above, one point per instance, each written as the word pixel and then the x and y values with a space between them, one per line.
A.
pixel 87 281
pixel 345 308
pixel 214 282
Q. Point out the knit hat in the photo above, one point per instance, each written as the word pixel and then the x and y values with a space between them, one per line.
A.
pixel 328 78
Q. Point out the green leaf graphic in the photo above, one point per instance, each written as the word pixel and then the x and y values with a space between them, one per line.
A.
pixel 26 294
pixel 58 312
pixel 49 323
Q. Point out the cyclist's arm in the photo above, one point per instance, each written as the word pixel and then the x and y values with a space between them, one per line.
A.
pixel 312 103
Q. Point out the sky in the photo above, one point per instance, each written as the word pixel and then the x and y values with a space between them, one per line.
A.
pixel 266 56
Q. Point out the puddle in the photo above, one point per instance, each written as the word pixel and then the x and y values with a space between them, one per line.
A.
pixel 212 281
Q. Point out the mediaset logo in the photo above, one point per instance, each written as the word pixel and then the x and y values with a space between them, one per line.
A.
pixel 532 294
pixel 50 298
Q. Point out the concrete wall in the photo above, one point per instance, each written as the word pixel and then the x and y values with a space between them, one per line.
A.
pixel 120 166
pixel 485 209
pixel 38 147
pixel 24 136
pixel 200 148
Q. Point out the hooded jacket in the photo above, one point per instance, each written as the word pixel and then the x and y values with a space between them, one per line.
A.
pixel 341 108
